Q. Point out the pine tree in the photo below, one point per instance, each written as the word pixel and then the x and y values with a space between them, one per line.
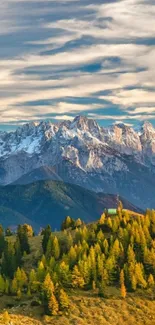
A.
pixel 77 278
pixel 19 294
pixel 41 272
pixel 7 286
pixel 46 235
pixel 18 252
pixel 123 291
pixel 68 223
pixel 63 299
pixel 29 292
pixel 22 234
pixel 9 263
pixel 56 248
pixel 2 241
pixel 21 278
pixel 72 256
pixel 102 219
pixel 78 223
pixel 14 286
pixel 121 277
pixel 8 232
pixel 53 305
pixel 6 318
pixel 102 289
pixel 33 283
pixel 2 284
pixel 134 282
pixel 64 274
pixel 151 281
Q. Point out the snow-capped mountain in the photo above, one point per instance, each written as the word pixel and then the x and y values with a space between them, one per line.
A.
pixel 118 159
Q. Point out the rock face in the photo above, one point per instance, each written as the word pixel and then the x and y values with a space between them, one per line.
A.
pixel 118 159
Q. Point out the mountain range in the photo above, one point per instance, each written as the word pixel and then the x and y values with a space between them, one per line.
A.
pixel 118 159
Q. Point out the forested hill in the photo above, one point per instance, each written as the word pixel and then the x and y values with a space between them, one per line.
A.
pixel 98 273
pixel 49 202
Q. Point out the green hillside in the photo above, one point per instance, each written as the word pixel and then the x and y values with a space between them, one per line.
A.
pixel 102 273
pixel 49 202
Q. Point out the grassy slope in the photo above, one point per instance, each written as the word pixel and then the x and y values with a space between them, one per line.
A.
pixel 86 308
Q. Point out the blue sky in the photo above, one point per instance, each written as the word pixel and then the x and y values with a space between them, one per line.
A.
pixel 59 59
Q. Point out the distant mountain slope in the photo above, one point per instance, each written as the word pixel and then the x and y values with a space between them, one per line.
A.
pixel 42 173
pixel 51 201
pixel 117 159
pixel 11 218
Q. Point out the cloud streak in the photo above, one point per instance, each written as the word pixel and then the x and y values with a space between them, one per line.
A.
pixel 91 57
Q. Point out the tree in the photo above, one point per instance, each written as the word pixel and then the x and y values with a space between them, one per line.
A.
pixel 18 252
pixel 28 230
pixel 77 278
pixel 46 235
pixel 64 273
pixel 7 286
pixel 123 291
pixel 33 283
pixel 8 232
pixel 102 289
pixel 14 286
pixel 21 278
pixel 19 294
pixel 121 277
pixel 47 292
pixel 72 256
pixel 102 219
pixel 2 284
pixel 150 281
pixel 9 263
pixel 68 223
pixel 2 242
pixel 23 234
pixel 78 223
pixel 6 318
pixel 53 305
pixel 56 248
pixel 41 272
pixel 63 299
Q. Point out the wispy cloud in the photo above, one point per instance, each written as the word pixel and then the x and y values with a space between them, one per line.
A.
pixel 58 59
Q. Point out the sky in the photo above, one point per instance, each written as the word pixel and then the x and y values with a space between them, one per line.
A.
pixel 62 58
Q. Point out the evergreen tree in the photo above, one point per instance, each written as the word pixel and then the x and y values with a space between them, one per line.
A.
pixel 22 234
pixel 63 300
pixel 9 263
pixel 53 305
pixel 41 272
pixel 68 223
pixel 46 235
pixel 102 289
pixel 2 284
pixel 77 278
pixel 6 318
pixel 151 281
pixel 123 291
pixel 14 286
pixel 8 232
pixel 56 248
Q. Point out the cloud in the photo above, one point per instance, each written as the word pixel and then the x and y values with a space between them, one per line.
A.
pixel 50 48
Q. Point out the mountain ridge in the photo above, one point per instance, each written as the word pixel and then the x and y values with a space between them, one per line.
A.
pixel 117 159
pixel 49 202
